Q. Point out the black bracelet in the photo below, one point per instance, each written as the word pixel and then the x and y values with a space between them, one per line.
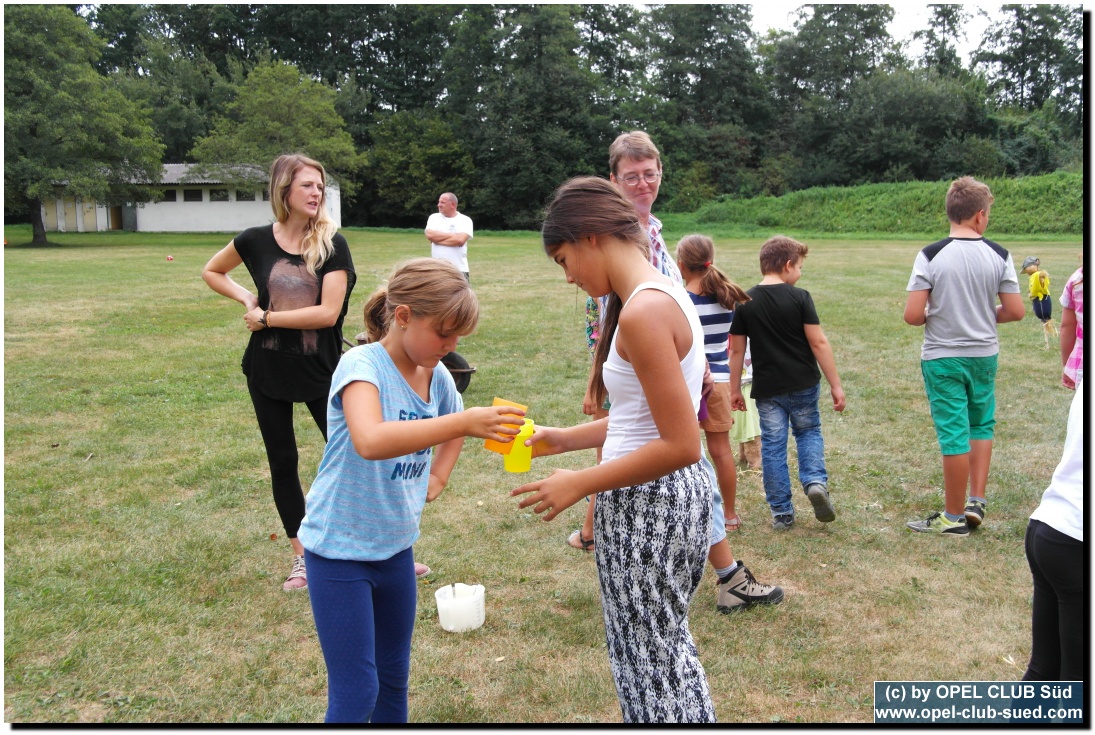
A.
pixel 265 316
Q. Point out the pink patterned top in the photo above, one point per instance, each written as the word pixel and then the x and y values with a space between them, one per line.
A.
pixel 1073 298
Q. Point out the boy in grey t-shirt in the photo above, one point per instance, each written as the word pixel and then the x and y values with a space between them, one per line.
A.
pixel 952 293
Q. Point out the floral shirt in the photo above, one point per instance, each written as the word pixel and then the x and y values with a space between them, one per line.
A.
pixel 659 258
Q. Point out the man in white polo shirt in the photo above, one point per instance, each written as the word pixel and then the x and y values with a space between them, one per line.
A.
pixel 448 232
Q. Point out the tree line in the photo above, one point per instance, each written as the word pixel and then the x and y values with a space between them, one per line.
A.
pixel 501 103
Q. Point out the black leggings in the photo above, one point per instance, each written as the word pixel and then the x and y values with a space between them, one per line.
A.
pixel 1057 621
pixel 276 424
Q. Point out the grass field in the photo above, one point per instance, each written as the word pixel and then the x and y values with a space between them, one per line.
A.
pixel 144 557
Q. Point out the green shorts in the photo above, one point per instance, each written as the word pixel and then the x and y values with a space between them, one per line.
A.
pixel 962 396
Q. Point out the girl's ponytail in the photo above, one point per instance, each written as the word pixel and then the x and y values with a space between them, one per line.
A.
pixel 377 315
pixel 583 206
pixel 697 254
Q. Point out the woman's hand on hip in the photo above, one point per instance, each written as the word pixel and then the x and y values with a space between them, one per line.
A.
pixel 253 319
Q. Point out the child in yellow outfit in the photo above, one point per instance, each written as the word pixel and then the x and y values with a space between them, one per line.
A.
pixel 1039 296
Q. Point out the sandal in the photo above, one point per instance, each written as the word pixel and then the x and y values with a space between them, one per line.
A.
pixel 732 524
pixel 578 542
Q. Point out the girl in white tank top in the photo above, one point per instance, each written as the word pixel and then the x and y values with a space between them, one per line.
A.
pixel 631 424
pixel 653 509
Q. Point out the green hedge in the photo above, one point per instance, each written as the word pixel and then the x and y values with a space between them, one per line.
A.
pixel 1050 204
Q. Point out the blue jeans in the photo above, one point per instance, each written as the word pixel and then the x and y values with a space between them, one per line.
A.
pixel 800 411
pixel 364 613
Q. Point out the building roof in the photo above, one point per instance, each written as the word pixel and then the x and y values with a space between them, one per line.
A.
pixel 192 173
pixel 189 173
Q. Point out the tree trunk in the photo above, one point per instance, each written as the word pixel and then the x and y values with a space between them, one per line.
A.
pixel 37 224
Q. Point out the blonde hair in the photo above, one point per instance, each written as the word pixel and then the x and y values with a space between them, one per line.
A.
pixel 966 197
pixel 318 243
pixel 696 253
pixel 431 288
pixel 777 251
pixel 588 205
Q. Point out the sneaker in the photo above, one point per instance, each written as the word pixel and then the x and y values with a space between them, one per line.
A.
pixel 742 590
pixel 421 570
pixel 298 578
pixel 975 513
pixel 783 521
pixel 819 498
pixel 938 523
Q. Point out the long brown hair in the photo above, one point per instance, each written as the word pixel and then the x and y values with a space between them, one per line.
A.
pixel 317 245
pixel 432 288
pixel 697 254
pixel 589 205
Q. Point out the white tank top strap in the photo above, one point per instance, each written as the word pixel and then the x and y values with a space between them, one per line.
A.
pixel 665 288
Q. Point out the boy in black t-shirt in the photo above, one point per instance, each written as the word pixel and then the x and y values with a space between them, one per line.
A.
pixel 788 346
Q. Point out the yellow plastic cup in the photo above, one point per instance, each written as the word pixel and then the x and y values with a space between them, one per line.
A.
pixel 519 458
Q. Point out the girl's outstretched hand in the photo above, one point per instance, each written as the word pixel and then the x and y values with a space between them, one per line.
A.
pixel 552 495
pixel 490 422
pixel 545 441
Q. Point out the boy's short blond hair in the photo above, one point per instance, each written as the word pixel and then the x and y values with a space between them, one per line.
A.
pixel 777 251
pixel 966 197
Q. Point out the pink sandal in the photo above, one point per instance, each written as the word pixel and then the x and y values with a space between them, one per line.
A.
pixel 732 524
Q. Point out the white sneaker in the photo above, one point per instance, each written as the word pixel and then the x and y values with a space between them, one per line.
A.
pixel 298 578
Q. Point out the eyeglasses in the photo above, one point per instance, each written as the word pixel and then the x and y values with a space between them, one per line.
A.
pixel 649 177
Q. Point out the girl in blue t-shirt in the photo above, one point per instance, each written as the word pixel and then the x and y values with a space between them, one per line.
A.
pixel 391 403
pixel 715 297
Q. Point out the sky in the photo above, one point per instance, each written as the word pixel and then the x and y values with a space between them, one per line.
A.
pixel 908 17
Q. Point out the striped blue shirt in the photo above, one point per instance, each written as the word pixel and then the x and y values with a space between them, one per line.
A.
pixel 715 320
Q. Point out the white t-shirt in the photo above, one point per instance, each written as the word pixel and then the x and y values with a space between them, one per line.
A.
pixel 1062 505
pixel 459 223
pixel 964 276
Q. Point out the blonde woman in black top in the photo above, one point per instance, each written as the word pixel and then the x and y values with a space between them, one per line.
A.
pixel 303 273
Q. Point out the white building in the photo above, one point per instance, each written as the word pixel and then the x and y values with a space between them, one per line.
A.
pixel 189 205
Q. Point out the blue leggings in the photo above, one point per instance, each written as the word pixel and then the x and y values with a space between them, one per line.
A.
pixel 364 613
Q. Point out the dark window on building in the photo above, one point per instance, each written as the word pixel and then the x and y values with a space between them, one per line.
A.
pixel 265 195
pixel 245 195
pixel 192 195
pixel 218 195
pixel 170 195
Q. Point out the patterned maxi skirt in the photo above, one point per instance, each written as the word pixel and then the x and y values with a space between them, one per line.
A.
pixel 651 546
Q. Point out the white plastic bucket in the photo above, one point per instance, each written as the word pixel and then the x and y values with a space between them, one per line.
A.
pixel 460 607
